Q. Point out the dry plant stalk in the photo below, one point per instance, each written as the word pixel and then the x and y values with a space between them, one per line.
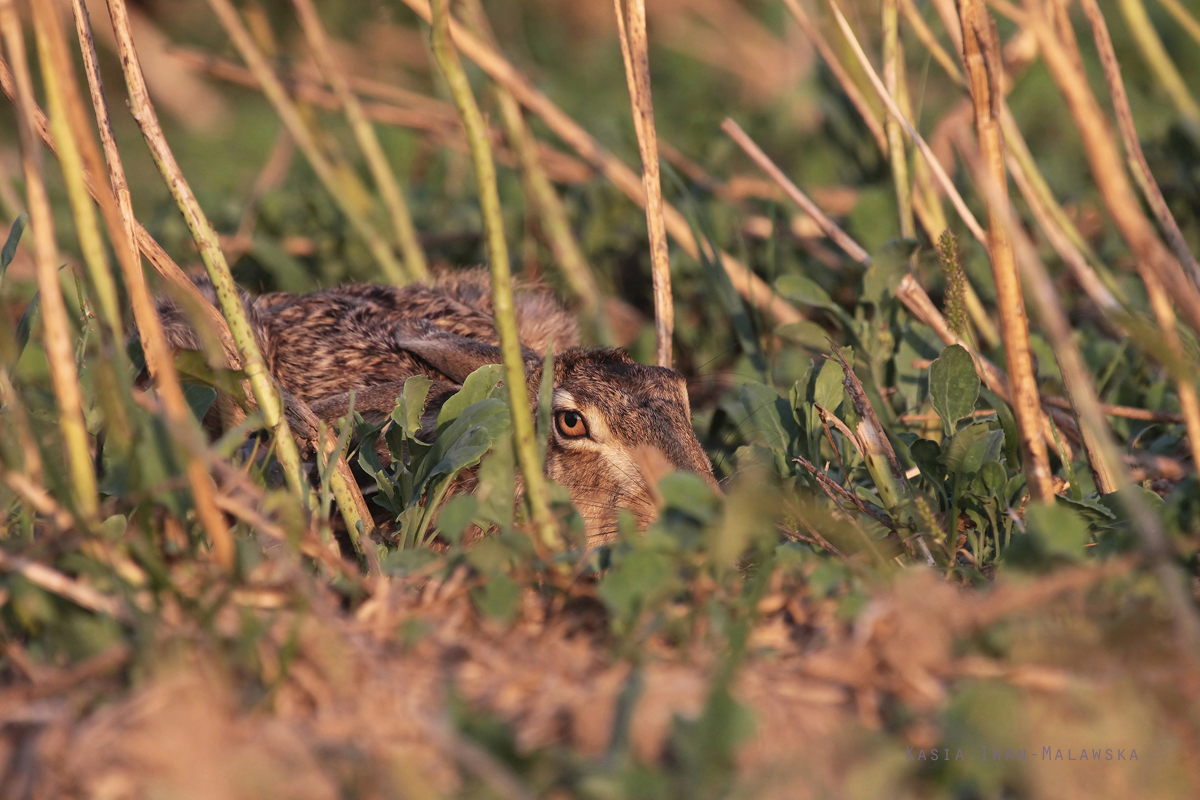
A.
pixel 542 195
pixel 1103 450
pixel 1133 146
pixel 893 78
pixel 1108 167
pixel 984 69
pixel 635 51
pixel 158 258
pixel 502 299
pixel 368 142
pixel 1161 273
pixel 1160 62
pixel 894 109
pixel 380 250
pixel 55 324
pixel 1183 17
pixel 79 157
pixel 752 288
pixel 202 232
pixel 748 145
pixel 839 71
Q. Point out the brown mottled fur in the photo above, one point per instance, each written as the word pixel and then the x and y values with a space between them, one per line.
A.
pixel 370 339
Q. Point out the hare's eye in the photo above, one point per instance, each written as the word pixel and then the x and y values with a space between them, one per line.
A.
pixel 570 424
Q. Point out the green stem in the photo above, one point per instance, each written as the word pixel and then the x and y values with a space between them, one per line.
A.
pixel 228 299
pixel 502 299
pixel 305 140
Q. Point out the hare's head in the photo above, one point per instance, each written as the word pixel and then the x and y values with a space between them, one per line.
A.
pixel 607 412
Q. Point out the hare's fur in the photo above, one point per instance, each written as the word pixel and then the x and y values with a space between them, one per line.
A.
pixel 369 339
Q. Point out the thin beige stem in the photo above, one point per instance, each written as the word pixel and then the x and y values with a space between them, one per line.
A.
pixel 542 195
pixel 118 215
pixel 635 51
pixel 55 324
pixel 368 142
pixel 1160 62
pixel 1185 385
pixel 60 93
pixel 830 228
pixel 747 284
pixel 829 55
pixel 1146 525
pixel 984 67
pixel 158 258
pixel 502 299
pixel 893 78
pixel 380 250
pixel 925 35
pixel 1133 146
pixel 889 102
pixel 210 251
pixel 1183 17
pixel 1108 168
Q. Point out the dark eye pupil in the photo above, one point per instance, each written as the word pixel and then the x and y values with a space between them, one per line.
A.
pixel 571 419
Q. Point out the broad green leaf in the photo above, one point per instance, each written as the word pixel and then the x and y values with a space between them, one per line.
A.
pixel 926 454
pixel 1060 530
pixel 191 364
pixel 954 452
pixel 768 416
pixel 983 451
pixel 498 597
pixel 804 290
pixel 953 386
pixel 199 398
pixel 456 515
pixel 886 270
pixel 479 385
pixel 411 404
pixel 640 578
pixel 1012 449
pixel 830 387
pixel 687 492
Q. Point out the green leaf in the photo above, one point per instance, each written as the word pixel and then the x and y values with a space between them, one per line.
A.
pixel 498 598
pixel 806 291
pixel 953 386
pixel 25 325
pixel 985 450
pixel 687 492
pixel 199 399
pixel 830 387
pixel 640 578
pixel 10 245
pixel 479 385
pixel 768 415
pixel 455 516
pixel 926 454
pixel 191 364
pixel 410 405
pixel 1012 450
pixel 886 270
pixel 1060 530
pixel 954 452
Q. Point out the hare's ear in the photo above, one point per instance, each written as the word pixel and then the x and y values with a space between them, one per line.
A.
pixel 454 356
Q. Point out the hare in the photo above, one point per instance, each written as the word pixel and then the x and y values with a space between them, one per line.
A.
pixel 608 410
